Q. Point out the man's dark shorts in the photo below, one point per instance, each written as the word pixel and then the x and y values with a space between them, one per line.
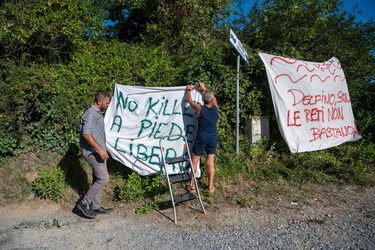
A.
pixel 199 148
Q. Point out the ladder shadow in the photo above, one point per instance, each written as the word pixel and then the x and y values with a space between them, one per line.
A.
pixel 165 205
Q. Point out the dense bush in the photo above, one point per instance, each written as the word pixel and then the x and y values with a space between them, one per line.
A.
pixel 43 103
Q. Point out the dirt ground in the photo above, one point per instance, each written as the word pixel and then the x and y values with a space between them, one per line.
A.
pixel 317 203
pixel 232 205
pixel 291 216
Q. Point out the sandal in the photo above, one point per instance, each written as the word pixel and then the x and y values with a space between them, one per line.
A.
pixel 190 189
pixel 212 190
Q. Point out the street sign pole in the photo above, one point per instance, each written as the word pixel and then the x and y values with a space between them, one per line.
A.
pixel 238 106
pixel 242 52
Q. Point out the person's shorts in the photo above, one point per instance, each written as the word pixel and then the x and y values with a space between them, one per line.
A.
pixel 200 148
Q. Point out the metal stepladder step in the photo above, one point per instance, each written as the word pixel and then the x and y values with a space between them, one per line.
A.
pixel 181 176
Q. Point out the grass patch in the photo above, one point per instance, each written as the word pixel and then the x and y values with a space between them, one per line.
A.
pixel 319 220
pixel 14 184
pixel 242 200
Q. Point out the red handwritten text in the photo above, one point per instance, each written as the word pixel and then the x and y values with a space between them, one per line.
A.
pixel 335 113
pixel 314 115
pixel 299 97
pixel 293 118
pixel 322 133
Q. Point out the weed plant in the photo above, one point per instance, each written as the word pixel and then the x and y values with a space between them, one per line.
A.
pixel 150 205
pixel 136 188
pixel 50 183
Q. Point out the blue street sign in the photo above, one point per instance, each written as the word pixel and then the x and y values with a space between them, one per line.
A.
pixel 238 45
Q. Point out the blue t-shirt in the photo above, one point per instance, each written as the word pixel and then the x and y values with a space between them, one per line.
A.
pixel 207 133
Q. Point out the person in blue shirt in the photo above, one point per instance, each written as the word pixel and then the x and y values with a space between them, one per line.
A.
pixel 206 138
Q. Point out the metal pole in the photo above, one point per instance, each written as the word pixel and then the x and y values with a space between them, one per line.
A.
pixel 238 106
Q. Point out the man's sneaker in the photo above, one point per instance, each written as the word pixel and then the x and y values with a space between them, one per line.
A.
pixel 86 210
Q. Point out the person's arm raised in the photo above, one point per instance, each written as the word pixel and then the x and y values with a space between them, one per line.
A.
pixel 189 99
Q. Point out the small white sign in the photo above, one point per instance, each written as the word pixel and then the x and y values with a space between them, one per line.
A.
pixel 238 45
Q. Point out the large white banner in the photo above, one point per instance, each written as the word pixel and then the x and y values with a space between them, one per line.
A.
pixel 311 102
pixel 138 117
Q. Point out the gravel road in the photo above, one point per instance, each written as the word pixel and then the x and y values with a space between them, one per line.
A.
pixel 325 218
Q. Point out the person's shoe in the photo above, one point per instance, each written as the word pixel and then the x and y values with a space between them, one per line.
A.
pixel 103 210
pixel 86 210
pixel 188 189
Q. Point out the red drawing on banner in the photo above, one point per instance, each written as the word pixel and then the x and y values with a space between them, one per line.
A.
pixel 322 80
pixel 316 65
pixel 337 66
pixel 332 73
pixel 310 70
pixel 283 59
pixel 340 77
pixel 290 78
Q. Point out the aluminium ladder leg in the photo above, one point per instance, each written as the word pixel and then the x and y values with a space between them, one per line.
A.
pixel 181 176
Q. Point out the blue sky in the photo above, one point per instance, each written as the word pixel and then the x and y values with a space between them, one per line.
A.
pixel 367 6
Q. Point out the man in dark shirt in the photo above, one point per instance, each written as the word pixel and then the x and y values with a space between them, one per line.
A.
pixel 206 137
pixel 93 145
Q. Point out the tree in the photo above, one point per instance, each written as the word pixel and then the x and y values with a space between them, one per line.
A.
pixel 47 29
pixel 166 22
pixel 34 35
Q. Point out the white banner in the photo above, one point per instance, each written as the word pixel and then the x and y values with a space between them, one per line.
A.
pixel 311 102
pixel 138 117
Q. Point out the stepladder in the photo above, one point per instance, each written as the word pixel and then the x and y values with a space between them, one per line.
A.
pixel 177 170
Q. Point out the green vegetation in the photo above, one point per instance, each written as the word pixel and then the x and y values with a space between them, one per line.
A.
pixel 54 55
pixel 49 183
pixel 150 205
pixel 136 187
pixel 347 163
